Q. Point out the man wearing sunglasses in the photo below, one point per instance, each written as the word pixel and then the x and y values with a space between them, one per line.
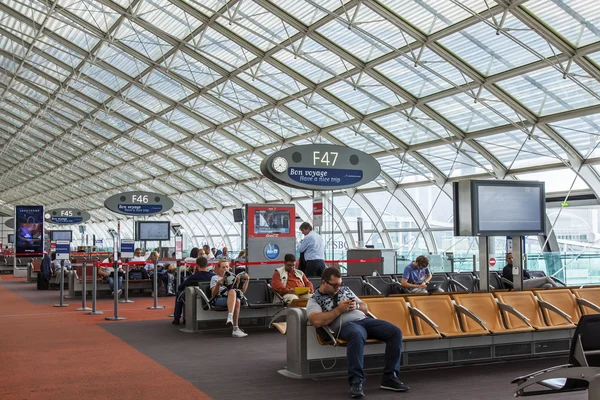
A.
pixel 336 306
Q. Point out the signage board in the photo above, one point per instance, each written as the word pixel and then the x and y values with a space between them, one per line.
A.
pixel 138 203
pixel 492 262
pixel 63 249
pixel 320 167
pixel 66 216
pixel 266 220
pixel 127 248
pixel 29 229
pixel 98 243
pixel 10 223
pixel 318 212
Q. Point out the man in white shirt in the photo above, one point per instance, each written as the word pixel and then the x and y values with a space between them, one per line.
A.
pixel 313 249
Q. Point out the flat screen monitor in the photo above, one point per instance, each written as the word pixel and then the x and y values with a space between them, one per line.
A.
pixel 271 221
pixel 29 234
pixel 11 238
pixel 238 215
pixel 61 235
pixel 508 208
pixel 153 231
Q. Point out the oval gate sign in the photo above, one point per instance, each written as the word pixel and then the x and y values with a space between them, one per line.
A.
pixel 66 216
pixel 10 223
pixel 320 167
pixel 138 203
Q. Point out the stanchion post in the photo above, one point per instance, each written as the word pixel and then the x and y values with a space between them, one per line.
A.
pixel 94 291
pixel 84 306
pixel 126 295
pixel 62 289
pixel 177 281
pixel 155 285
pixel 116 288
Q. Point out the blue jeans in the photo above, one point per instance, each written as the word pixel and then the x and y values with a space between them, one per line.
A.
pixel 111 282
pixel 356 334
pixel 179 299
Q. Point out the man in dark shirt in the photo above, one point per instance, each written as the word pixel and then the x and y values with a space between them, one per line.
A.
pixel 543 283
pixel 201 274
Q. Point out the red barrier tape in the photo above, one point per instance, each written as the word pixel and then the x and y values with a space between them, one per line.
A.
pixel 368 260
pixel 109 264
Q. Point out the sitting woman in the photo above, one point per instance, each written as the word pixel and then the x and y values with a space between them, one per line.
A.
pixel 108 275
pixel 227 296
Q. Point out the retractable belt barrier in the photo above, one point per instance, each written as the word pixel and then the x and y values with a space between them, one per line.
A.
pixel 238 263
pixel 155 286
pixel 62 289
pixel 116 290
pixel 84 306
pixel 94 290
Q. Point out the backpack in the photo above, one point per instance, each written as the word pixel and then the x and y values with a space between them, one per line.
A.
pixel 136 274
pixel 42 282
pixel 162 288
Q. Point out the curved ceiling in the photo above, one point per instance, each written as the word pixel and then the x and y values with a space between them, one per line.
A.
pixel 186 97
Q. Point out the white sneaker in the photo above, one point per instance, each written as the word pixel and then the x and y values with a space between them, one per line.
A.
pixel 229 320
pixel 239 333
pixel 120 293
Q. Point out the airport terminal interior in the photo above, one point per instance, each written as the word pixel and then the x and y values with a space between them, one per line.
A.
pixel 465 131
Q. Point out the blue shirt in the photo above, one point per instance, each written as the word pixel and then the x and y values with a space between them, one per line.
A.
pixel 312 247
pixel 414 275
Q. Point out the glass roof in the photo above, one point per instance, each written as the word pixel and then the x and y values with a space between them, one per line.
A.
pixel 187 97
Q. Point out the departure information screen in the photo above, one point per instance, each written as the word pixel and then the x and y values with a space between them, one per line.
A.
pixel 154 230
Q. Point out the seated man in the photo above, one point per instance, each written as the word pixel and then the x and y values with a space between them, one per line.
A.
pixel 107 274
pixel 416 276
pixel 226 296
pixel 201 274
pixel 339 308
pixel 59 266
pixel 286 278
pixel 528 282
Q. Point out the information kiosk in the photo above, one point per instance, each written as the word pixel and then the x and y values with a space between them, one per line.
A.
pixel 270 235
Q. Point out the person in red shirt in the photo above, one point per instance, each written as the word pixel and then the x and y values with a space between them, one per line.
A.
pixel 286 278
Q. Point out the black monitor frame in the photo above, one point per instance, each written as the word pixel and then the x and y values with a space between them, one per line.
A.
pixel 11 236
pixel 52 238
pixel 140 223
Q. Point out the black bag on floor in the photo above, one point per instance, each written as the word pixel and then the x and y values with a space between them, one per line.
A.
pixel 42 282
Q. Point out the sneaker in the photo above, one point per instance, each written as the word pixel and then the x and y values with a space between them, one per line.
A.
pixel 120 292
pixel 175 321
pixel 239 333
pixel 394 384
pixel 356 390
pixel 229 320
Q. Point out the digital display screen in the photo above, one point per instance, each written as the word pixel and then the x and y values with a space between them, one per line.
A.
pixel 11 238
pixel 61 235
pixel 509 208
pixel 271 221
pixel 29 221
pixel 153 230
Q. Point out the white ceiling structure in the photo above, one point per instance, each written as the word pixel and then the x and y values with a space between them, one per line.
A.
pixel 186 98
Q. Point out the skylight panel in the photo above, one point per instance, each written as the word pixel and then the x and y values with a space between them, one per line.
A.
pixel 362 138
pixel 16 111
pixel 469 116
pixel 35 11
pixel 145 99
pixel 103 77
pixel 234 170
pixel 72 32
pixel 418 128
pixel 222 143
pixel 181 157
pixel 167 17
pixel 370 35
pixel 35 79
pixel 167 86
pixel 263 188
pixel 281 123
pixel 165 131
pixel 312 60
pixel 249 134
pixel 147 139
pixel 202 150
pixel 188 67
pixel 131 146
pixel 28 92
pixel 433 15
pixel 184 121
pixel 256 25
pixel 58 51
pixel 210 110
pixel 8 64
pixel 489 53
pixel 252 161
pixel 89 90
pixel 207 7
pixel 364 94
pixel 163 162
pixel 127 111
pixel 97 14
pixel 214 175
pixel 583 133
pixel 221 50
pixel 432 75
pixel 318 110
pixel 148 167
pixel 120 60
pixel 163 187
pixel 271 81
pixel 78 102
pixel 237 96
pixel 309 11
pixel 242 193
pixel 48 67
pixel 113 121
pixel 577 21
pixel 546 92
pixel 192 178
pixel 141 40
pixel 515 149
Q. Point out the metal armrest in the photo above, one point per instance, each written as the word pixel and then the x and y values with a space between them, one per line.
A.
pixel 507 282
pixel 457 283
pixel 587 303
pixel 553 308
pixel 420 314
pixel 372 287
pixel 509 309
pixel 203 296
pixel 280 297
pixel 464 310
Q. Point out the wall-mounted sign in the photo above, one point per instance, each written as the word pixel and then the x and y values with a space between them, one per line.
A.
pixel 318 212
pixel 66 216
pixel 29 229
pixel 138 203
pixel 320 167
pixel 271 251
pixel 127 248
pixel 63 248
pixel 10 223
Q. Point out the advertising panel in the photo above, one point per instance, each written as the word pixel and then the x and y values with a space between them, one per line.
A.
pixel 29 229
pixel 271 221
